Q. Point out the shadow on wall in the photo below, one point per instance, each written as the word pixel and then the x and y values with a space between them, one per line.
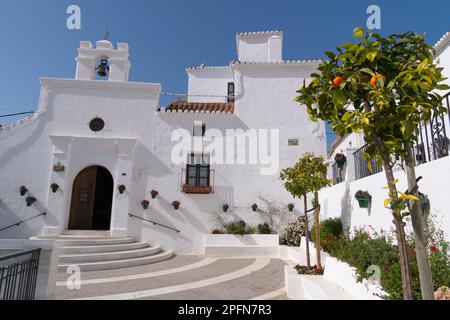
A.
pixel 8 217
pixel 346 208
pixel 153 165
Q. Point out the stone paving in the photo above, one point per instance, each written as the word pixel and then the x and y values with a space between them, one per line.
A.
pixel 183 277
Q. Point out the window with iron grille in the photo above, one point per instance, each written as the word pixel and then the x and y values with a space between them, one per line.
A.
pixel 198 170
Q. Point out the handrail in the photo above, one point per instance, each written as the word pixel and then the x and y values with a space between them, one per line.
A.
pixel 20 222
pixel 154 223
pixel 19 253
pixel 15 114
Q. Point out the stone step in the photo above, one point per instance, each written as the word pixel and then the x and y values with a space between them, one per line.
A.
pixel 102 233
pixel 66 241
pixel 103 248
pixel 108 256
pixel 117 264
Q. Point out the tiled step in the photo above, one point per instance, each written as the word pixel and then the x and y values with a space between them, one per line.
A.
pixel 108 256
pixel 116 264
pixel 103 248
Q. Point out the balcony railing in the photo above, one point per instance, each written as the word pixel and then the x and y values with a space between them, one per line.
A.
pixel 338 174
pixel 18 275
pixel 433 141
pixel 362 165
pixel 198 188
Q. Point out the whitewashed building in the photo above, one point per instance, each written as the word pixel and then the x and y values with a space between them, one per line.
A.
pixel 89 136
pixel 432 164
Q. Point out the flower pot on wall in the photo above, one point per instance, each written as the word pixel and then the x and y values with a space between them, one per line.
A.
pixel 145 204
pixel 425 206
pixel 225 207
pixel 291 207
pixel 254 207
pixel 176 205
pixel 154 194
pixel 30 201
pixel 363 202
pixel 54 187
pixel 121 188
pixel 23 190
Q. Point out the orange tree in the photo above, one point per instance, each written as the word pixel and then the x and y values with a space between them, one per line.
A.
pixel 383 87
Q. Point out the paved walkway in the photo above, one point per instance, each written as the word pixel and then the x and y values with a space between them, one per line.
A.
pixel 183 277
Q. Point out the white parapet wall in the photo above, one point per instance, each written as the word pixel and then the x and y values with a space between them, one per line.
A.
pixel 48 263
pixel 246 246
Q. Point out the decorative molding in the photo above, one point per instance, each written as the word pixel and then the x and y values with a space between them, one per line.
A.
pixel 442 44
pixel 96 84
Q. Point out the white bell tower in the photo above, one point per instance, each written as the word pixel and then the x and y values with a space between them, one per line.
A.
pixel 90 58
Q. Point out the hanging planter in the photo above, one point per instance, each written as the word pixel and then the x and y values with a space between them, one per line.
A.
pixel 363 198
pixel 54 187
pixel 291 207
pixel 30 201
pixel 340 160
pixel 424 205
pixel 254 207
pixel 145 204
pixel 225 207
pixel 176 204
pixel 122 188
pixel 154 194
pixel 23 190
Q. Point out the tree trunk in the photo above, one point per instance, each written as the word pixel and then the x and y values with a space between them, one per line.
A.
pixel 420 241
pixel 317 223
pixel 308 258
pixel 399 225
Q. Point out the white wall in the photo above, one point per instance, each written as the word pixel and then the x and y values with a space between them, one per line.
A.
pixel 209 84
pixel 339 200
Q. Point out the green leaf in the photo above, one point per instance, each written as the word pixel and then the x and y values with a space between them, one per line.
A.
pixel 367 70
pixel 346 116
pixel 339 98
pixel 371 55
pixel 330 54
pixel 358 34
pixel 422 65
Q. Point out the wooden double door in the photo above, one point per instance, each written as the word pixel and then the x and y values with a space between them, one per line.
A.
pixel 91 204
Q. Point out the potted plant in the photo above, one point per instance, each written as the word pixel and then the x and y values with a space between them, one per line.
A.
pixel 176 204
pixel 340 160
pixel 154 194
pixel 23 190
pixel 30 201
pixel 363 198
pixel 122 188
pixel 54 187
pixel 145 204
pixel 254 207
pixel 291 207
pixel 225 207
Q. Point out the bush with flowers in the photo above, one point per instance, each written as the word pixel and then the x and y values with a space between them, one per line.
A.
pixel 365 248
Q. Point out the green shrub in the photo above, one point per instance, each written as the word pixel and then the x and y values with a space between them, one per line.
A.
pixel 236 227
pixel 363 250
pixel 264 229
pixel 330 229
pixel 240 228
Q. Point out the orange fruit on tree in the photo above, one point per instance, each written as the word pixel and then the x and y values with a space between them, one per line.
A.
pixel 375 77
pixel 338 80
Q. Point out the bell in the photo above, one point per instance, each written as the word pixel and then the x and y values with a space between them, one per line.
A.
pixel 103 68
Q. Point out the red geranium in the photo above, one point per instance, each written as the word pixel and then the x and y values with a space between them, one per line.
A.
pixel 434 248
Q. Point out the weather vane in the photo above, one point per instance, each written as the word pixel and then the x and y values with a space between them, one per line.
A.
pixel 107 33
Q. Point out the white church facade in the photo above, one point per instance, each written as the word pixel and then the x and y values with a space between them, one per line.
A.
pixel 104 145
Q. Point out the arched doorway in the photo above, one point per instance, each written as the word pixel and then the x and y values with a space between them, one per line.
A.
pixel 92 192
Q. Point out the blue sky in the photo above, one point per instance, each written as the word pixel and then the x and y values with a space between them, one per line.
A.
pixel 165 36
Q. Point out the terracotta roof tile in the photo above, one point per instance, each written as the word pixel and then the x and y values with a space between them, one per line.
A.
pixel 200 107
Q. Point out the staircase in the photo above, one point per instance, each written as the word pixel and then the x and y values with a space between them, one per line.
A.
pixel 97 250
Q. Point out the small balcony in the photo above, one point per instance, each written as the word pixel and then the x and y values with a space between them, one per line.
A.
pixel 198 180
